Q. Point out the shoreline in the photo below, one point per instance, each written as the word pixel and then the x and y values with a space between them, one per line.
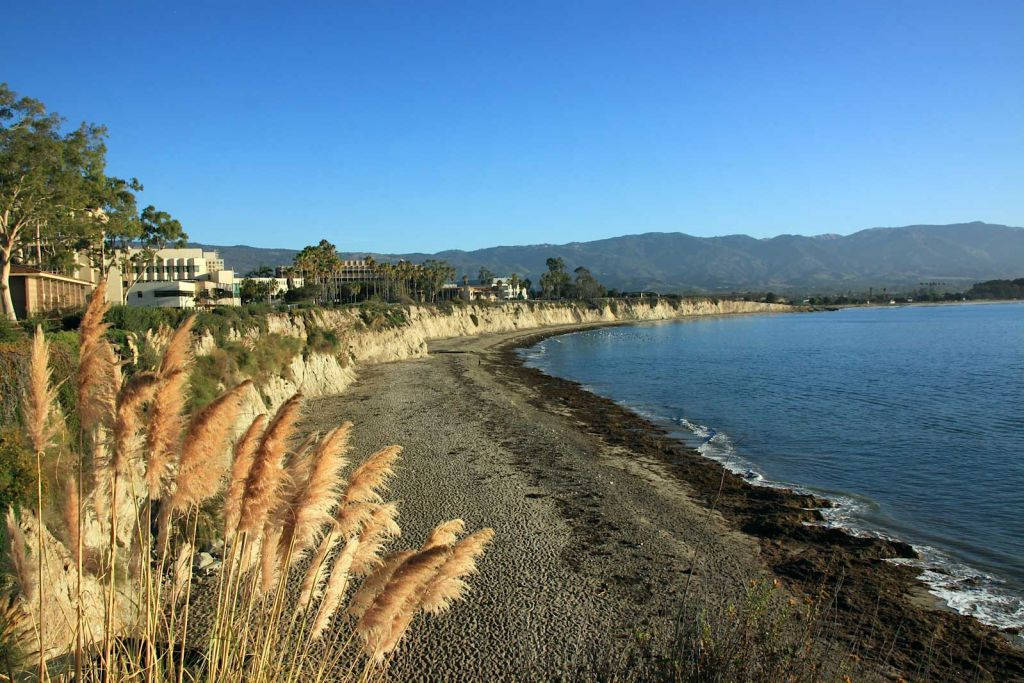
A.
pixel 937 567
pixel 789 526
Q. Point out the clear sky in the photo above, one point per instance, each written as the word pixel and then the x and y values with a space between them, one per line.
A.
pixel 421 125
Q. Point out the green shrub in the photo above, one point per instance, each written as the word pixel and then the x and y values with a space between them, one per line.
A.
pixel 11 332
pixel 376 315
pixel 17 470
pixel 231 362
pixel 138 319
pixel 321 340
pixel 13 373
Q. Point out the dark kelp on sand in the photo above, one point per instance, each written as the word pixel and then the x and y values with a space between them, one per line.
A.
pixel 883 611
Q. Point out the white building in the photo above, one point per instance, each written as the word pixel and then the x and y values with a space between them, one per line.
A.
pixel 504 289
pixel 280 284
pixel 198 277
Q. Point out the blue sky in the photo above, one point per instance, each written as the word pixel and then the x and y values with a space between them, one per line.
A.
pixel 419 126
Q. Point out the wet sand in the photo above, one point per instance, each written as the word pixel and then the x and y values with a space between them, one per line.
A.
pixel 602 523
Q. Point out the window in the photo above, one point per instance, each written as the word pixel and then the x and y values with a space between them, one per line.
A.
pixel 139 294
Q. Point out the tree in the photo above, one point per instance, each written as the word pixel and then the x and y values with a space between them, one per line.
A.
pixel 555 282
pixel 485 276
pixel 318 264
pixel 515 284
pixel 46 179
pixel 132 243
pixel 251 291
pixel 262 271
pixel 435 274
pixel 587 286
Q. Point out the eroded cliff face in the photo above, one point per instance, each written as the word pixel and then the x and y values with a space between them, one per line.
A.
pixel 379 341
pixel 355 337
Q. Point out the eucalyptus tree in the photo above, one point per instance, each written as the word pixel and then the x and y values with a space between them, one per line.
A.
pixel 555 282
pixel 587 286
pixel 131 241
pixel 46 178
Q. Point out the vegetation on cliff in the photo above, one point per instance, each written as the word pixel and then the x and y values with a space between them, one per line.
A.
pixel 139 477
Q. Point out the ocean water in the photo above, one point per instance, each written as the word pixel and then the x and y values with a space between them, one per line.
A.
pixel 910 418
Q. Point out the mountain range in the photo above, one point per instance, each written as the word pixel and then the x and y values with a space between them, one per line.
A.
pixel 955 255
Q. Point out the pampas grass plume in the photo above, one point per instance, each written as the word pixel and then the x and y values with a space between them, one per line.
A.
pixel 373 584
pixel 166 415
pixel 72 523
pixel 98 379
pixel 41 398
pixel 336 585
pixel 136 392
pixel 262 485
pixel 445 533
pixel 19 556
pixel 448 585
pixel 245 449
pixel 202 462
pixel 380 526
pixel 367 480
pixel 311 506
pixel 375 627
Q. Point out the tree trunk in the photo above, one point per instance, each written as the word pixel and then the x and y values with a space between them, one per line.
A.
pixel 5 285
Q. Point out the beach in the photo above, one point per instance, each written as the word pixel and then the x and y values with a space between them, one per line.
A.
pixel 603 523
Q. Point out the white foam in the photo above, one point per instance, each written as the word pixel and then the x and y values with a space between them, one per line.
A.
pixel 962 588
pixel 717 446
pixel 966 590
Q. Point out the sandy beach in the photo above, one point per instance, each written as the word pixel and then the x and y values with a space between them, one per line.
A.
pixel 602 523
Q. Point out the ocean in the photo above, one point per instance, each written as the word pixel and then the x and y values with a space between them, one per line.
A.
pixel 909 418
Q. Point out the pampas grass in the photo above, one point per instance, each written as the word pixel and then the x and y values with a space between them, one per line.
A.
pixel 19 556
pixel 127 610
pixel 167 412
pixel 41 400
pixel 311 505
pixel 244 452
pixel 445 533
pixel 397 598
pixel 98 378
pixel 72 523
pixel 336 585
pixel 449 585
pixel 203 459
pixel 370 477
pixel 262 485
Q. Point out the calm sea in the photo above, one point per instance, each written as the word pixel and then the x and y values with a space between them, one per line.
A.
pixel 910 418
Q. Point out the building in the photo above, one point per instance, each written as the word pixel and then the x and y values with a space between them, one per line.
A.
pixel 499 289
pixel 280 284
pixel 351 270
pixel 213 284
pixel 355 270
pixel 163 294
pixel 36 292
pixel 506 289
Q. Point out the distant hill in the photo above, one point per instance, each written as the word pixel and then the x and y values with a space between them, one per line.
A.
pixel 957 254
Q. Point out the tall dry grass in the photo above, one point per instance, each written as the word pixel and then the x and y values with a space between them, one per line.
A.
pixel 115 593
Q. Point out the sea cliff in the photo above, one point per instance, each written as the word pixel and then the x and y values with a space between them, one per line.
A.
pixel 366 336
